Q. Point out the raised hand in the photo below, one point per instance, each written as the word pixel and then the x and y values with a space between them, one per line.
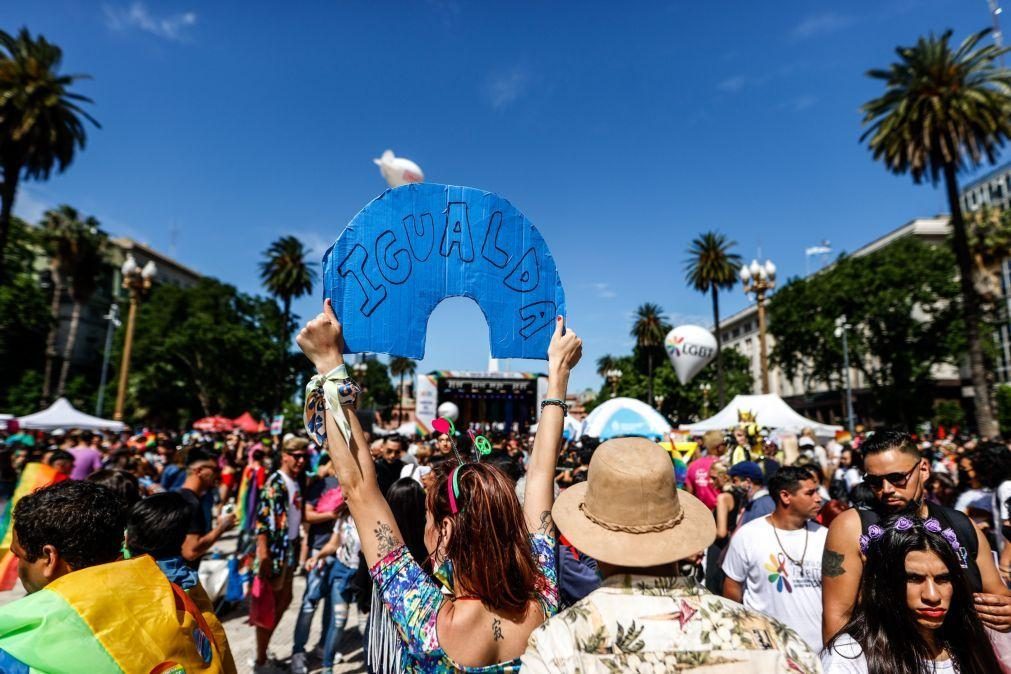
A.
pixel 322 340
pixel 565 350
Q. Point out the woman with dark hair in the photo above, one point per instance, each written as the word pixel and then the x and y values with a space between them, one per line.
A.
pixel 125 484
pixel 501 555
pixel 915 614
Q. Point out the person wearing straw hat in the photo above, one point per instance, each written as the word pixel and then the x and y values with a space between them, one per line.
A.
pixel 632 519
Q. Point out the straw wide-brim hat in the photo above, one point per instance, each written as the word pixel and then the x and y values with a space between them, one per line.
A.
pixel 629 512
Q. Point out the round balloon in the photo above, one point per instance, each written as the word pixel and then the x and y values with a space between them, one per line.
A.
pixel 690 348
pixel 398 170
pixel 449 410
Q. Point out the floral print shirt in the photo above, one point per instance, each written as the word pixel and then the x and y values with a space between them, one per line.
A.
pixel 414 599
pixel 272 521
pixel 651 624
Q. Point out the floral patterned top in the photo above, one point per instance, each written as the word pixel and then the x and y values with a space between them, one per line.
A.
pixel 653 624
pixel 414 599
pixel 272 521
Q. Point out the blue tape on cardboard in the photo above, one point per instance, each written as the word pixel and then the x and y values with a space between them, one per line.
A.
pixel 414 246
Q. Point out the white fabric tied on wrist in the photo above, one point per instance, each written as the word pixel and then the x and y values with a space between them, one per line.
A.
pixel 329 391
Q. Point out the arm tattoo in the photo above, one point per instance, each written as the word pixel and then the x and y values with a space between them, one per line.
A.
pixel 832 563
pixel 546 522
pixel 385 539
pixel 496 629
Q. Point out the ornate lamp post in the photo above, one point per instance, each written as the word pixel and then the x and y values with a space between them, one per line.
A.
pixel 613 377
pixel 136 280
pixel 705 387
pixel 658 399
pixel 760 279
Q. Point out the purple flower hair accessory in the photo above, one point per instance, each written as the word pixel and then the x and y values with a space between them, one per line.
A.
pixel 932 525
pixel 903 524
pixel 950 536
pixel 865 543
pixel 874 532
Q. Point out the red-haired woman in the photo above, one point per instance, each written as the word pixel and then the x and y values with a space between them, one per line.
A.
pixel 499 554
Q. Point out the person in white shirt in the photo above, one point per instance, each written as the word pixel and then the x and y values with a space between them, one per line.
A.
pixel 773 564
pixel 915 612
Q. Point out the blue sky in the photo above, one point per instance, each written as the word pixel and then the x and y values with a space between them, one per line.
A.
pixel 622 130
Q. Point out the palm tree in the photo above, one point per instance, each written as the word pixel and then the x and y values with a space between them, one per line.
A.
pixel 709 267
pixel 58 225
pixel 605 363
pixel 286 275
pixel 86 242
pixel 649 330
pixel 41 122
pixel 944 110
pixel 401 367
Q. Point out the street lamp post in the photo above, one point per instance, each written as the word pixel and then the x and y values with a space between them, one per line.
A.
pixel 114 322
pixel 841 330
pixel 658 399
pixel 136 280
pixel 613 377
pixel 705 388
pixel 760 279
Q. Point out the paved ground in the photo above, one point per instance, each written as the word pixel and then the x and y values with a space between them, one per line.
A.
pixel 242 637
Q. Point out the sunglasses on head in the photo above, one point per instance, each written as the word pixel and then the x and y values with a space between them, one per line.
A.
pixel 897 480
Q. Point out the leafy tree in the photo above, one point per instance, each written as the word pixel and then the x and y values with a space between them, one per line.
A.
pixel 202 350
pixel 649 330
pixel 944 110
pixel 402 367
pixel 711 266
pixel 24 322
pixel 41 121
pixel 286 275
pixel 377 391
pixel 683 403
pixel 989 232
pixel 901 304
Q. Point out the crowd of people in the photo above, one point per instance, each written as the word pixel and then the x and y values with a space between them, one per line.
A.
pixel 747 551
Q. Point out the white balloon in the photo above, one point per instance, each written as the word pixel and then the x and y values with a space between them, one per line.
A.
pixel 690 348
pixel 449 411
pixel 398 170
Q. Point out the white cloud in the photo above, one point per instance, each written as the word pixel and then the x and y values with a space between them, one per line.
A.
pixel 732 85
pixel 821 24
pixel 138 16
pixel 604 291
pixel 504 89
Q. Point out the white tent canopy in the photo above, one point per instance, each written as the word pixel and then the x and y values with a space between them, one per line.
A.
pixel 770 411
pixel 61 414
pixel 625 416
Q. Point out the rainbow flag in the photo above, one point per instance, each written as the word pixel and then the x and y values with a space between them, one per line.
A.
pixel 113 618
pixel 34 476
pixel 248 496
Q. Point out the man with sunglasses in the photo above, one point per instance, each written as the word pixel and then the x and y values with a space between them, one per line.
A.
pixel 197 490
pixel 896 472
pixel 278 537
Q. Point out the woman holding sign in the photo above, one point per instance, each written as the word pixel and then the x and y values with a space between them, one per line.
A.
pixel 495 556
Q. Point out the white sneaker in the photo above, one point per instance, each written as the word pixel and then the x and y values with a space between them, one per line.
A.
pixel 297 665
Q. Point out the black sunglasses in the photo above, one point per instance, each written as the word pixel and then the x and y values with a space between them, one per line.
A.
pixel 897 480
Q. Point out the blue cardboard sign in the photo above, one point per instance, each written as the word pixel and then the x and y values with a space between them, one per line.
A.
pixel 414 246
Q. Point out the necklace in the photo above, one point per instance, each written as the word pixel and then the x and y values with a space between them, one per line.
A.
pixel 786 554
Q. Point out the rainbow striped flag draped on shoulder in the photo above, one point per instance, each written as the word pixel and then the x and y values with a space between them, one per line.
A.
pixel 248 497
pixel 116 618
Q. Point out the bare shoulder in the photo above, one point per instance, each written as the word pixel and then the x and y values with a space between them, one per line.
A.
pixel 846 526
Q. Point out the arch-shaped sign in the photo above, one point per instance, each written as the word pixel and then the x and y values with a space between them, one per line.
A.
pixel 414 246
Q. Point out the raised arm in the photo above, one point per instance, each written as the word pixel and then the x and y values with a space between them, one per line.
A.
pixel 563 354
pixel 322 342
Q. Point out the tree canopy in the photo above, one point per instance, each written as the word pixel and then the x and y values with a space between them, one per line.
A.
pixel 902 304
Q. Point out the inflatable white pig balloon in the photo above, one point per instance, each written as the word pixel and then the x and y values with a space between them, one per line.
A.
pixel 398 170
pixel 690 348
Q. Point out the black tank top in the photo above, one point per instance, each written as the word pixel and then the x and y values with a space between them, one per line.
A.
pixel 957 522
